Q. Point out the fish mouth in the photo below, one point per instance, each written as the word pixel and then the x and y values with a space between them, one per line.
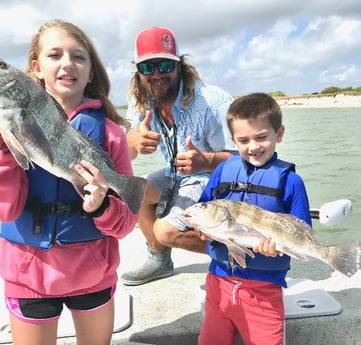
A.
pixel 187 217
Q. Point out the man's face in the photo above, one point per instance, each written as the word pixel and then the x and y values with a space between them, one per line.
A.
pixel 161 87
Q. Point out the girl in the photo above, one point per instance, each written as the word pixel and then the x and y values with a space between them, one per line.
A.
pixel 65 270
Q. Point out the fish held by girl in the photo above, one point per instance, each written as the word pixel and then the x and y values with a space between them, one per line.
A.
pixel 35 129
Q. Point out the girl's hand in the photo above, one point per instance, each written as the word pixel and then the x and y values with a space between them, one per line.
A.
pixel 96 188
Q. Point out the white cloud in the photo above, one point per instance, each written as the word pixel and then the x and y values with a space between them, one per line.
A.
pixel 243 46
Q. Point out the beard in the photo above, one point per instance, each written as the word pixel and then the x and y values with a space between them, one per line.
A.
pixel 156 98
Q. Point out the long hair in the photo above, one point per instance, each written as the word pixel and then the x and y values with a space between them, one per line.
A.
pixel 99 86
pixel 188 74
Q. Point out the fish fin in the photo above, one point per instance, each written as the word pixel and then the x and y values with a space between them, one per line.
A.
pixel 344 258
pixel 238 253
pixel 133 191
pixel 35 137
pixel 16 149
pixel 232 264
pixel 236 250
pixel 245 236
pixel 291 253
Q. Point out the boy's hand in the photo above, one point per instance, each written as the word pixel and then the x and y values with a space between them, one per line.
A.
pixel 267 248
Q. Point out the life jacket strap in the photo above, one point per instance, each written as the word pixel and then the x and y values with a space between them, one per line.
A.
pixel 56 208
pixel 237 186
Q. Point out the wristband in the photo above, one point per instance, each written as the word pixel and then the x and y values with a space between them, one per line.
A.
pixel 99 211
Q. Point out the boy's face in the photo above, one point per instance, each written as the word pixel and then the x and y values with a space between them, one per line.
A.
pixel 256 140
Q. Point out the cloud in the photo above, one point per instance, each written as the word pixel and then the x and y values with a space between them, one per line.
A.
pixel 243 46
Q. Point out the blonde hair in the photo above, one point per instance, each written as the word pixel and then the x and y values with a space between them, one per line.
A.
pixel 188 74
pixel 99 87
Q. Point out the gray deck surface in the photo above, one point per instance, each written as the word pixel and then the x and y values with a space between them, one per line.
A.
pixel 168 311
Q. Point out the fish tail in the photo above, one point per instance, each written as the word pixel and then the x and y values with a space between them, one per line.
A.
pixel 344 258
pixel 132 191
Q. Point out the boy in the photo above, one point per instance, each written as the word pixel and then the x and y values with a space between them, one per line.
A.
pixel 249 301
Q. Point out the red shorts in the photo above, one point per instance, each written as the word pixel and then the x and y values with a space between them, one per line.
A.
pixel 250 308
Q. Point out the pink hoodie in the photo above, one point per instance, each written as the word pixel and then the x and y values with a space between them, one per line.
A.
pixel 71 269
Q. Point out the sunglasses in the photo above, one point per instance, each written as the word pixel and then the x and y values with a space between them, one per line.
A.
pixel 165 66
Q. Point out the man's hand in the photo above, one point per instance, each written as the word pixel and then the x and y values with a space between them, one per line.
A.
pixel 191 161
pixel 194 160
pixel 142 140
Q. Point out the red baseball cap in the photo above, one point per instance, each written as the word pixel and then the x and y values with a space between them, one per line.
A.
pixel 155 42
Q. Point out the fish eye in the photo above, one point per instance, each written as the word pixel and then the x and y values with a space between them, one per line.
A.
pixel 3 64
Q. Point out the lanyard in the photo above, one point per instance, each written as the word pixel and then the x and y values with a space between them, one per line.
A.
pixel 171 147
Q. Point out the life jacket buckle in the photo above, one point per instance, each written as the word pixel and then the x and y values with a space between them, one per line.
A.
pixel 238 186
pixel 58 208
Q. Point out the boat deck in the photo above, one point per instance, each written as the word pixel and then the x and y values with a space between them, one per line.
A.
pixel 168 311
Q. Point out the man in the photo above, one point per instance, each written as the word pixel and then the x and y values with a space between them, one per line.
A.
pixel 172 108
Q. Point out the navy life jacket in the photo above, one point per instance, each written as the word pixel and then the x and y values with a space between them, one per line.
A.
pixel 53 210
pixel 263 187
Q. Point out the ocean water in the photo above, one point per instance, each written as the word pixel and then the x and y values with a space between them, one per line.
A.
pixel 325 145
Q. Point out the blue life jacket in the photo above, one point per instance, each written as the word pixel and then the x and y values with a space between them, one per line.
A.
pixel 54 214
pixel 263 187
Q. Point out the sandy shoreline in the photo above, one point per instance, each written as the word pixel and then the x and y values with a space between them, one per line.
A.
pixel 320 101
pixel 310 101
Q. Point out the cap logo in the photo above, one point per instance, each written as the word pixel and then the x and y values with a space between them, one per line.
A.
pixel 167 42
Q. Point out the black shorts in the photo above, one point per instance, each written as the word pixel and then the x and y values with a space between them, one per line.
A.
pixel 49 309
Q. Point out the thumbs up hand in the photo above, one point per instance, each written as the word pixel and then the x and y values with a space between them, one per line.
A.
pixel 142 139
pixel 191 161
pixel 147 119
pixel 190 145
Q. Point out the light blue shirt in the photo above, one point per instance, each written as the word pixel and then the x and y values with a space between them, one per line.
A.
pixel 204 119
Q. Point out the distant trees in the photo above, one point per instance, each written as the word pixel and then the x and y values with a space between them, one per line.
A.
pixel 347 90
pixel 277 94
pixel 328 90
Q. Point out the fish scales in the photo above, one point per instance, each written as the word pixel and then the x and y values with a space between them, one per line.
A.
pixel 240 226
pixel 35 129
pixel 281 229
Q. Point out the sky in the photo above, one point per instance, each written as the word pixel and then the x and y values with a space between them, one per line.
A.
pixel 243 46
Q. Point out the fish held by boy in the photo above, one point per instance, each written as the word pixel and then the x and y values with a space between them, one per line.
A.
pixel 240 226
pixel 35 129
